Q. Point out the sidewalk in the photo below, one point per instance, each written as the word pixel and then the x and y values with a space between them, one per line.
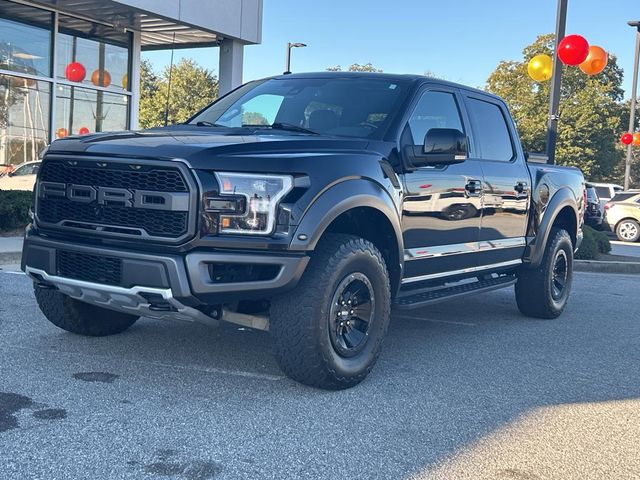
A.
pixel 10 250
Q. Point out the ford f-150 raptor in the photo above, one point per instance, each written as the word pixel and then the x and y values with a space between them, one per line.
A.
pixel 308 205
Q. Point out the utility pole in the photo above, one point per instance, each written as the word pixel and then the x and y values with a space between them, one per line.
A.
pixel 556 83
pixel 632 115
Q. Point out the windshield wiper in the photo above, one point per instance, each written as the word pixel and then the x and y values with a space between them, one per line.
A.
pixel 204 123
pixel 293 128
pixel 290 127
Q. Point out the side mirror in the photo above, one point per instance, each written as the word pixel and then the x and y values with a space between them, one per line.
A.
pixel 442 146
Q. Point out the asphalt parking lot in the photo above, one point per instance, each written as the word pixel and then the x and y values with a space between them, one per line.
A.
pixel 463 390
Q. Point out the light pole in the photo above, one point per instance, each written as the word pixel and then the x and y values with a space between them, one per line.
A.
pixel 634 93
pixel 556 83
pixel 287 65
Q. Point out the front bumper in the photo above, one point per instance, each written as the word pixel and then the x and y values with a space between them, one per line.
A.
pixel 182 281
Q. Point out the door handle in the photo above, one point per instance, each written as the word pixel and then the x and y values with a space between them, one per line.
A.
pixel 473 188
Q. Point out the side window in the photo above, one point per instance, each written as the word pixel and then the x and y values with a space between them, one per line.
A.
pixel 434 110
pixel 491 130
pixel 259 110
pixel 24 170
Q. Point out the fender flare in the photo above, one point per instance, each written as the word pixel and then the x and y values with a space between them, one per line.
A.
pixel 338 199
pixel 564 197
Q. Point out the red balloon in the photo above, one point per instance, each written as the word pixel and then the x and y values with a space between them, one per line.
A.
pixel 83 130
pixel 573 50
pixel 75 72
pixel 626 138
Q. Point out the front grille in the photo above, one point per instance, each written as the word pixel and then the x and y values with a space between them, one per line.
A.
pixel 113 218
pixel 90 268
pixel 160 180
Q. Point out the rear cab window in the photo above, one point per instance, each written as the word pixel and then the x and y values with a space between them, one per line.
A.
pixel 491 130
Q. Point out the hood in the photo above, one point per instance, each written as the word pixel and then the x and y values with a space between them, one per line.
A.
pixel 199 145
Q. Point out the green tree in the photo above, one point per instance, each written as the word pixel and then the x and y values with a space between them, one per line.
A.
pixel 192 88
pixel 590 111
pixel 356 67
pixel 149 115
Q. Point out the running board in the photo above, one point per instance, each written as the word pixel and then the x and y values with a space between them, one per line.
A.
pixel 408 301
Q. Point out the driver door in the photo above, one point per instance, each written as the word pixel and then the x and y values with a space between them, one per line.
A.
pixel 442 209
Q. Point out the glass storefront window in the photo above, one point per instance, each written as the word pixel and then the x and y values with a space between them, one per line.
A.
pixel 25 48
pixel 82 110
pixel 81 58
pixel 24 118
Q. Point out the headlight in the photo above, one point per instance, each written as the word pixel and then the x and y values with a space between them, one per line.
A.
pixel 247 203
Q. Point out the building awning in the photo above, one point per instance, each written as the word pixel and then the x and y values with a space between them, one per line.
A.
pixel 157 31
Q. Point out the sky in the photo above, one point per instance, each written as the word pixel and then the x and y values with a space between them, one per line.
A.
pixel 459 40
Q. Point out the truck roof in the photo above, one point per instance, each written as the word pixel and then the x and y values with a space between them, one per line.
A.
pixel 406 77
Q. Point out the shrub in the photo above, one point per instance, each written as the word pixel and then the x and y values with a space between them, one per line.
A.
pixel 604 245
pixel 593 243
pixel 14 209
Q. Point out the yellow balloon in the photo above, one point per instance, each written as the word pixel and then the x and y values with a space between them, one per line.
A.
pixel 125 81
pixel 540 68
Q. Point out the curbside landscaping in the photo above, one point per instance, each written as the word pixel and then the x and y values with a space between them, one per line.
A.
pixel 599 266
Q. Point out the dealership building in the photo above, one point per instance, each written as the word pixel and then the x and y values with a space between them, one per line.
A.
pixel 73 66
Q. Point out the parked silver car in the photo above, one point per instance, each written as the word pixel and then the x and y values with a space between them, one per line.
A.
pixel 622 215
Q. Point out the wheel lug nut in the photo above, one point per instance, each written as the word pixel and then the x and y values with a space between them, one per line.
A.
pixel 350 312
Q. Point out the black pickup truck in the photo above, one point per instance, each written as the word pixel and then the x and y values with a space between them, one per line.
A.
pixel 308 205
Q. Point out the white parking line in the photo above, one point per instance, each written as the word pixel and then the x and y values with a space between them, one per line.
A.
pixel 451 322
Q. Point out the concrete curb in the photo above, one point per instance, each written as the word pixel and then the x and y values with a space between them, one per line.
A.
pixel 596 266
pixel 8 258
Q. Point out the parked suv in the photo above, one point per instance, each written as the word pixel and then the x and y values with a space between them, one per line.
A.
pixel 622 215
pixel 594 211
pixel 606 191
pixel 308 205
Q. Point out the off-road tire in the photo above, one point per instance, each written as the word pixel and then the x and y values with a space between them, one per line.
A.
pixel 300 321
pixel 535 286
pixel 81 318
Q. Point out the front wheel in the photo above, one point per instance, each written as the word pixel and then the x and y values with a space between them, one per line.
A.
pixel 628 230
pixel 81 318
pixel 328 332
pixel 543 292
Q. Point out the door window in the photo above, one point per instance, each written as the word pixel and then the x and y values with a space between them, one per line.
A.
pixel 492 132
pixel 434 110
pixel 29 169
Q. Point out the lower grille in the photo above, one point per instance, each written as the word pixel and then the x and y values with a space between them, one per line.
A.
pixel 90 268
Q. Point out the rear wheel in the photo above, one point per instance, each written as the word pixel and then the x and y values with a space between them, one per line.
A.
pixel 78 317
pixel 328 332
pixel 628 230
pixel 543 292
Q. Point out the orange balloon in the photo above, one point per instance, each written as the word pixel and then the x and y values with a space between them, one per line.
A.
pixel 62 132
pixel 106 78
pixel 636 139
pixel 595 62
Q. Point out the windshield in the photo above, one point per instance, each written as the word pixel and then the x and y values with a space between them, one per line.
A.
pixel 351 107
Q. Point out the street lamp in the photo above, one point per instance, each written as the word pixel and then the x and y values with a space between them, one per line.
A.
pixel 287 66
pixel 634 92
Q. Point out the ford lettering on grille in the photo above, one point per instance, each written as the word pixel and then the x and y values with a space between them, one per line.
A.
pixel 172 201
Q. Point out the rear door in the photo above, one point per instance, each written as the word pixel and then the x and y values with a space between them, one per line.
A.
pixel 442 206
pixel 507 182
